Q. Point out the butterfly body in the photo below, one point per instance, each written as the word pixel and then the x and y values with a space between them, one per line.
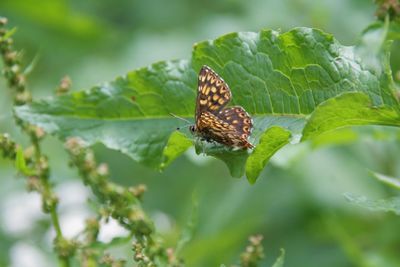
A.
pixel 230 126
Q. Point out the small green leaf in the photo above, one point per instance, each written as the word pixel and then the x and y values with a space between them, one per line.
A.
pixel 280 260
pixel 20 163
pixel 391 181
pixel 347 110
pixel 177 144
pixel 373 45
pixel 32 65
pixel 270 142
pixel 386 205
pixel 9 33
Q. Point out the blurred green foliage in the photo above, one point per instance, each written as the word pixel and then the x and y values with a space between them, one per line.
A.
pixel 297 204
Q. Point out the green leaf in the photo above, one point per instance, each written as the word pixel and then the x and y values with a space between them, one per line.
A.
pixel 279 78
pixel 9 33
pixel 373 45
pixel 270 142
pixel 391 181
pixel 347 110
pixel 130 114
pixel 177 144
pixel 336 137
pixel 20 163
pixel 386 205
pixel 280 260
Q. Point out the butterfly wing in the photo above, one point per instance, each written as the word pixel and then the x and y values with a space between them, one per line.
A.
pixel 213 94
pixel 228 126
pixel 231 127
pixel 239 119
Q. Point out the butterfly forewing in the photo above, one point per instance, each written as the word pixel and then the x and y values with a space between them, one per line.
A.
pixel 213 93
pixel 228 126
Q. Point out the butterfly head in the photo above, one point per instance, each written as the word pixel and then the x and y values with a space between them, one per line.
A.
pixel 192 129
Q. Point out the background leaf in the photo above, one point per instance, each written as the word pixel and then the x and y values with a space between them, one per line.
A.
pixel 391 181
pixel 392 204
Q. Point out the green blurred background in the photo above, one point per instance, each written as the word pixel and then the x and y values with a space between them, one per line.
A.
pixel 297 203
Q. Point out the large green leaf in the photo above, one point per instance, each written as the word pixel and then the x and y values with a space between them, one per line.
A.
pixel 279 78
pixel 130 114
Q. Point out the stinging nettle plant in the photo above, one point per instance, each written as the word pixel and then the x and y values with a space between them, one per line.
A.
pixel 297 85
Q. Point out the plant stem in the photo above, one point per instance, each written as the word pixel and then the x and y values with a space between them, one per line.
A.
pixel 56 224
pixel 16 82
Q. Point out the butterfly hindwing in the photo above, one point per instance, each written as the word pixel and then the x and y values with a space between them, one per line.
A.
pixel 216 128
pixel 239 119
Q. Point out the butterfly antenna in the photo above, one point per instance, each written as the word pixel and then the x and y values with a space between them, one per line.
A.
pixel 183 119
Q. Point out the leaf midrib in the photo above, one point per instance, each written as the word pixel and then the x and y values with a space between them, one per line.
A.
pixel 297 116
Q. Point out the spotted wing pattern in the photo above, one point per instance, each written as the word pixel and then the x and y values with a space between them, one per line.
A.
pixel 213 93
pixel 229 126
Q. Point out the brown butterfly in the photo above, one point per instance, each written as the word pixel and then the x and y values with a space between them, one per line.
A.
pixel 230 126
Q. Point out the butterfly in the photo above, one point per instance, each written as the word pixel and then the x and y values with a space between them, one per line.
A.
pixel 230 126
